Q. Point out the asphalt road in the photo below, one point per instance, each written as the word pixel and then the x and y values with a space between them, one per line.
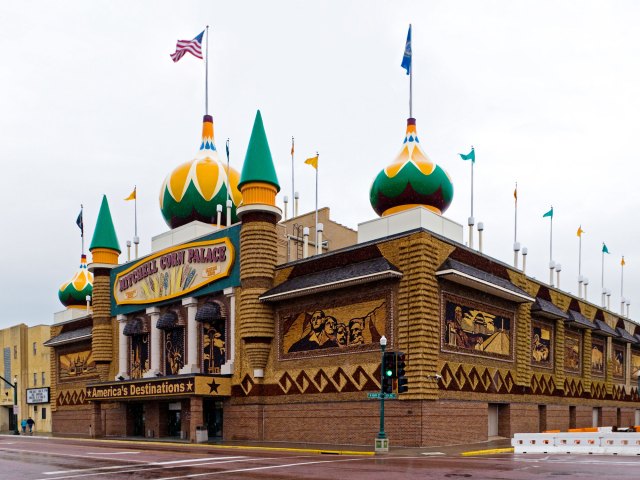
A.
pixel 57 458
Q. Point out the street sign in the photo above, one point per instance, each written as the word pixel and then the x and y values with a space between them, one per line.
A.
pixel 386 396
pixel 16 409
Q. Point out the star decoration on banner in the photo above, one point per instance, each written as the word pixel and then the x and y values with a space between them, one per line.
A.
pixel 189 386
pixel 213 386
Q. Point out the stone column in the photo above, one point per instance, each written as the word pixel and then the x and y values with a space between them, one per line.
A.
pixel 156 343
pixel 230 342
pixel 191 364
pixel 123 344
pixel 627 369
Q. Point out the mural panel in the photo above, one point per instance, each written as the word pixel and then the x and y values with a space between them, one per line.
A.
pixel 635 365
pixel 618 361
pixel 470 327
pixel 75 365
pixel 572 352
pixel 598 359
pixel 173 351
pixel 213 346
pixel 139 355
pixel 541 344
pixel 334 329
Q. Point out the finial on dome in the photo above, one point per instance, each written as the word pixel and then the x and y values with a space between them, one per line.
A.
pixel 411 180
pixel 192 190
pixel 73 293
pixel 104 246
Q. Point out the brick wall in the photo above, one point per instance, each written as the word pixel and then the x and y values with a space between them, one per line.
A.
pixel 557 417
pixel 609 416
pixel 518 418
pixel 584 416
pixel 451 422
pixel 74 421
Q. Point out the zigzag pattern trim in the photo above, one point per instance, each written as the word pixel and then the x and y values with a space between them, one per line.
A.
pixel 71 398
pixel 476 379
pixel 329 380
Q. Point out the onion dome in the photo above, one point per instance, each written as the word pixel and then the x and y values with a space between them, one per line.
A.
pixel 74 293
pixel 194 189
pixel 411 180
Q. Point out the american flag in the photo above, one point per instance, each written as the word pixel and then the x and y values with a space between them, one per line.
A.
pixel 194 47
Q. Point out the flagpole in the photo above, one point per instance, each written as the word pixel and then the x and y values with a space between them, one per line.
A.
pixel 82 228
pixel 515 227
pixel 602 276
pixel 580 263
pixel 293 184
pixel 411 82
pixel 136 239
pixel 206 77
pixel 551 264
pixel 622 279
pixel 317 168
pixel 228 210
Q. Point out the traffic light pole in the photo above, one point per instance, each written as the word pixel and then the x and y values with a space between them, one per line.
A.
pixel 382 442
pixel 381 433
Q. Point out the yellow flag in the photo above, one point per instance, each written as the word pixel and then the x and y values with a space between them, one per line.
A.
pixel 313 161
pixel 622 262
pixel 133 195
pixel 580 231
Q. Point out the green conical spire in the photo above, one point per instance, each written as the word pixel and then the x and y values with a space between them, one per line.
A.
pixel 104 235
pixel 258 164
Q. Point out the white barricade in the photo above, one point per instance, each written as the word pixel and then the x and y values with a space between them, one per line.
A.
pixel 595 443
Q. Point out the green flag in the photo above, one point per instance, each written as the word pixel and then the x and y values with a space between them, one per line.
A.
pixel 604 248
pixel 549 213
pixel 470 156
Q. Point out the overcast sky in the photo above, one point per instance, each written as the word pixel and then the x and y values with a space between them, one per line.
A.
pixel 546 91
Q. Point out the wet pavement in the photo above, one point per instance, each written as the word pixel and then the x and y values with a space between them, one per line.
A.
pixel 56 458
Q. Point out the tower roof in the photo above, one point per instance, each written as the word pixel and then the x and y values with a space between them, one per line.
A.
pixel 104 235
pixel 258 164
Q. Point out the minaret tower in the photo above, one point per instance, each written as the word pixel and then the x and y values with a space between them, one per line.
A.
pixel 105 250
pixel 258 248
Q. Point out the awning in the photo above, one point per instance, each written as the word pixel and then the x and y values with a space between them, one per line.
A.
pixel 134 327
pixel 332 279
pixel 71 336
pixel 469 276
pixel 544 308
pixel 604 329
pixel 168 321
pixel 209 312
pixel 626 336
pixel 578 320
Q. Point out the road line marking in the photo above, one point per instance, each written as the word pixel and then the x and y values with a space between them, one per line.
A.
pixel 431 454
pixel 144 464
pixel 113 453
pixel 268 467
pixel 141 468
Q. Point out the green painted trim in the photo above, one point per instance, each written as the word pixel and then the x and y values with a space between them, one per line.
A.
pixel 258 164
pixel 104 235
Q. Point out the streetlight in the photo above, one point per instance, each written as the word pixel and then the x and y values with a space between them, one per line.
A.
pixel 382 442
pixel 14 385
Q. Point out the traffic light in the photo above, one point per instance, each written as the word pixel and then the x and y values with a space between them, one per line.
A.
pixel 403 381
pixel 388 371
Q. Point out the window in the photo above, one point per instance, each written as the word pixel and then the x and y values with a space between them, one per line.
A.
pixel 44 381
pixel 35 379
pixel 34 348
pixel 15 352
pixel 44 413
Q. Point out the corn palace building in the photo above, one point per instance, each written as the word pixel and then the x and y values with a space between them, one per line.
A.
pixel 242 326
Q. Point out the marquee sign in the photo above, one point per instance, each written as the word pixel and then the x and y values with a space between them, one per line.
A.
pixel 182 386
pixel 37 395
pixel 174 272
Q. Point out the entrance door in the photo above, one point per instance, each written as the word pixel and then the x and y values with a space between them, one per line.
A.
pixel 213 417
pixel 12 418
pixel 493 420
pixel 136 416
pixel 173 428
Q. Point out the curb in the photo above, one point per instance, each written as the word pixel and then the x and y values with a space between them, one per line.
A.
pixel 487 452
pixel 208 446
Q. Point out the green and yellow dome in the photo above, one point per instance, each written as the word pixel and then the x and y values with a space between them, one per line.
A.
pixel 73 294
pixel 411 180
pixel 195 189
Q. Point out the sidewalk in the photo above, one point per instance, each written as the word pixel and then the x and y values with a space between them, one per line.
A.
pixel 184 445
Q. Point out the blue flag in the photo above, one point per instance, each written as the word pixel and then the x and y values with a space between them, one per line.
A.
pixel 80 223
pixel 406 58
pixel 469 156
